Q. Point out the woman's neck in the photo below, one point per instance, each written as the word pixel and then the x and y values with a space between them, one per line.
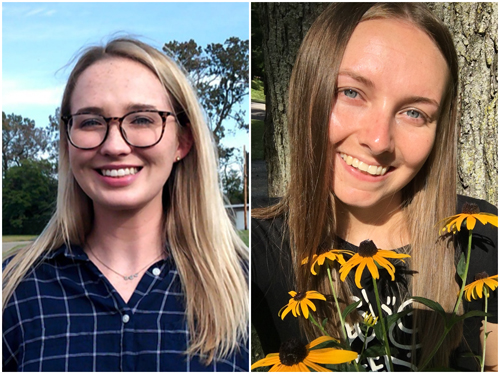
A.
pixel 383 224
pixel 127 237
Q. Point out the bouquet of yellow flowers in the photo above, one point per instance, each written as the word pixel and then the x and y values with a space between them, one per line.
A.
pixel 326 353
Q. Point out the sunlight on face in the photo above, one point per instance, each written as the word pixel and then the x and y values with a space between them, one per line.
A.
pixel 383 123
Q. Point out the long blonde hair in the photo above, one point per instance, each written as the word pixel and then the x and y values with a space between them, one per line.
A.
pixel 208 252
pixel 428 198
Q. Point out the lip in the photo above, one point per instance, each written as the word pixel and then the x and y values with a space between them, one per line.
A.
pixel 123 181
pixel 358 174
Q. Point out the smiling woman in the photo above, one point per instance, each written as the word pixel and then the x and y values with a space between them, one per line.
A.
pixel 135 269
pixel 372 126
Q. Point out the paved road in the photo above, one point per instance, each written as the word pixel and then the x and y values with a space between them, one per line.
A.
pixel 259 170
pixel 8 245
pixel 258 111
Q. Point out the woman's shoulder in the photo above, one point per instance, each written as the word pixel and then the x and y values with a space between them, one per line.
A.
pixel 484 206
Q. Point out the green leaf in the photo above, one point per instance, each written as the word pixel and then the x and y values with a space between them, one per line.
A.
pixel 349 309
pixel 393 318
pixel 461 267
pixel 431 304
pixel 323 324
pixel 379 332
pixel 472 313
pixel 374 351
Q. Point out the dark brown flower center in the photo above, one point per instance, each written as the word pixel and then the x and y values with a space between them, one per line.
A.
pixel 470 208
pixel 292 352
pixel 481 275
pixel 299 296
pixel 367 248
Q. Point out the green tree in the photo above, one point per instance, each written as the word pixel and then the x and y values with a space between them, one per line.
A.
pixel 29 197
pixel 219 72
pixel 21 140
pixel 233 186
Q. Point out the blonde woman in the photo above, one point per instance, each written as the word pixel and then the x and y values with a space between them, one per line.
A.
pixel 372 124
pixel 140 268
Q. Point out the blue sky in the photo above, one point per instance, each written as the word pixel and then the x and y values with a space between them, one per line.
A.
pixel 40 39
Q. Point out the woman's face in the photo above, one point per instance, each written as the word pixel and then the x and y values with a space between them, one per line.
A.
pixel 383 123
pixel 113 88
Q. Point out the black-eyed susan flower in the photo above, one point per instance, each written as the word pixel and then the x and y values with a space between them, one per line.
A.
pixel 332 255
pixel 470 214
pixel 369 320
pixel 475 289
pixel 295 356
pixel 368 256
pixel 301 300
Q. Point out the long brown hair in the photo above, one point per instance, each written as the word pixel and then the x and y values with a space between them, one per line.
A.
pixel 429 197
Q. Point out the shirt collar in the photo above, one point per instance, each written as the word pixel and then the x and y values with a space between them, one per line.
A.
pixel 75 252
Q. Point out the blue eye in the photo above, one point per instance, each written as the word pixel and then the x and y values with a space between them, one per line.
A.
pixel 413 113
pixel 350 93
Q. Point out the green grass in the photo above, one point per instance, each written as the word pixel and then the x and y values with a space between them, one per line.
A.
pixel 244 236
pixel 257 139
pixel 256 352
pixel 17 238
pixel 257 91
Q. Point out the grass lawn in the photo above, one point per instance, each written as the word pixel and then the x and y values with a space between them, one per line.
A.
pixel 244 236
pixel 257 91
pixel 257 139
pixel 17 238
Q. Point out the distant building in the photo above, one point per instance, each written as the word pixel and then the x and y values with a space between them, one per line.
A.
pixel 237 215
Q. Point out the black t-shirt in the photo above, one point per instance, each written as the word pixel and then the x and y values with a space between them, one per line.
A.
pixel 272 279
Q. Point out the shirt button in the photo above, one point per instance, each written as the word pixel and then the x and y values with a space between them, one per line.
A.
pixel 125 318
pixel 156 271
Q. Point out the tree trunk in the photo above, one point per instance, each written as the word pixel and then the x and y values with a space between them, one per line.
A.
pixel 474 29
pixel 284 25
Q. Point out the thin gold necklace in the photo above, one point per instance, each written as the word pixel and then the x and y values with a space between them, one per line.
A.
pixel 125 277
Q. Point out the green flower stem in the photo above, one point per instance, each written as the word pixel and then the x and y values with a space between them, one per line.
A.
pixel 315 323
pixel 485 290
pixel 342 322
pixel 459 300
pixel 382 320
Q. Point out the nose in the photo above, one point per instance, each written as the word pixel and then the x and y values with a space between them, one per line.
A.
pixel 377 132
pixel 115 144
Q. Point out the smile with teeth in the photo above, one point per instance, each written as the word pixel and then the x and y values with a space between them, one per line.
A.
pixel 360 165
pixel 117 173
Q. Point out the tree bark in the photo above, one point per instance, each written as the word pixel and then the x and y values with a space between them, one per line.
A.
pixel 474 28
pixel 284 25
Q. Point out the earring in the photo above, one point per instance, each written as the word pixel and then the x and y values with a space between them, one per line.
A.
pixel 178 158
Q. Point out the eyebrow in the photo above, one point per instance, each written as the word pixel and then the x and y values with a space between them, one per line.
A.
pixel 128 108
pixel 369 83
pixel 359 78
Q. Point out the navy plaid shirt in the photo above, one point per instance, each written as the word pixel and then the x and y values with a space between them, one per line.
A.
pixel 66 316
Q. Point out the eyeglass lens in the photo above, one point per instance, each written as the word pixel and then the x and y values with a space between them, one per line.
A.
pixel 141 129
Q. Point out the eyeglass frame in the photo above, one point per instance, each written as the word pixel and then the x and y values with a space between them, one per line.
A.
pixel 163 114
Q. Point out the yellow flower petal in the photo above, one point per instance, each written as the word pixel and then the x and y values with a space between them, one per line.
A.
pixel 373 269
pixel 302 367
pixel 320 340
pixel 314 366
pixel 471 222
pixel 331 356
pixel 315 295
pixel 359 272
pixel 292 294
pixel 270 359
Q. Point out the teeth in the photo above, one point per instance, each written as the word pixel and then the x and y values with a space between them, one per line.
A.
pixel 360 165
pixel 117 173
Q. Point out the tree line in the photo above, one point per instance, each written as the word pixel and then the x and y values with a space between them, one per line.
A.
pixel 219 72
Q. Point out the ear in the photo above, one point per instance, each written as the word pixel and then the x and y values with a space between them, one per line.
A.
pixel 185 142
